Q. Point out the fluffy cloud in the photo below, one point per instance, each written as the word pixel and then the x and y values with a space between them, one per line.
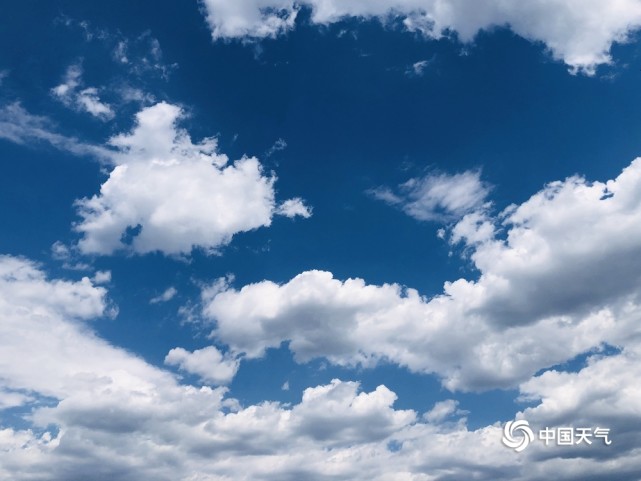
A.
pixel 208 363
pixel 45 318
pixel 118 417
pixel 557 284
pixel 602 392
pixel 169 194
pixel 294 207
pixel 438 197
pixel 71 93
pixel 107 414
pixel 164 192
pixel 442 410
pixel 577 32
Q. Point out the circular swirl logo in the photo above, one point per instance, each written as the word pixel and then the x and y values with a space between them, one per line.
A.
pixel 524 435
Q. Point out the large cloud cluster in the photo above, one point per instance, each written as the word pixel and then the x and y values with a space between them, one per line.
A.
pixel 578 32
pixel 562 279
pixel 98 412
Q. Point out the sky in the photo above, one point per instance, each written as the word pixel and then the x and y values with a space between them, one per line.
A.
pixel 319 240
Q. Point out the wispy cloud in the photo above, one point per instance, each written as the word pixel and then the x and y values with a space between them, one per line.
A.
pixel 19 126
pixel 279 145
pixel 417 69
pixel 140 55
pixel 167 295
pixel 437 197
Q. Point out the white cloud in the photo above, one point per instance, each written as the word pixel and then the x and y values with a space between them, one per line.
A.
pixel 142 55
pixel 120 52
pixel 110 415
pixel 168 194
pixel 294 207
pixel 71 93
pixel 208 363
pixel 68 256
pixel 10 398
pixel 555 286
pixel 42 316
pixel 438 197
pixel 248 18
pixel 132 94
pixel 279 145
pixel 102 277
pixel 89 101
pixel 167 295
pixel 474 228
pixel 442 410
pixel 418 68
pixel 577 32
pixel 603 393
pixel 21 127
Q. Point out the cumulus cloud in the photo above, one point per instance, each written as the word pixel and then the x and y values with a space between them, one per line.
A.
pixel 556 283
pixel 208 363
pixel 294 207
pixel 437 197
pixel 576 32
pixel 98 412
pixel 602 393
pixel 71 93
pixel 164 192
pixel 248 18
pixel 169 194
pixel 117 417
pixel 102 277
pixel 42 317
pixel 442 410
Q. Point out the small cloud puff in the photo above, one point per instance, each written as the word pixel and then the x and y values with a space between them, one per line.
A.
pixel 71 94
pixel 208 363
pixel 438 197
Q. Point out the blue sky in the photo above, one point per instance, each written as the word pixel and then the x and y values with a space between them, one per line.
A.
pixel 318 240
